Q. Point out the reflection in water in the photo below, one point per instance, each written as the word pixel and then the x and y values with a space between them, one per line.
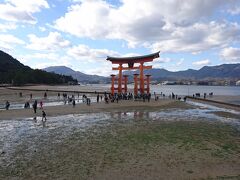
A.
pixel 47 103
pixel 35 119
pixel 210 108
pixel 44 124
pixel 126 115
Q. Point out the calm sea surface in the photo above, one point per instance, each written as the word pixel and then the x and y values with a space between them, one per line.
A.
pixel 189 90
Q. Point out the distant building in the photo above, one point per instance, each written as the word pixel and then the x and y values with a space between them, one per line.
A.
pixel 238 83
pixel 169 83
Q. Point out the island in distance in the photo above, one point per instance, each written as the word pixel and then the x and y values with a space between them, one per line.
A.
pixel 225 74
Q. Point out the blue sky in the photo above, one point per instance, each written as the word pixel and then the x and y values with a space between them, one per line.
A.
pixel 81 33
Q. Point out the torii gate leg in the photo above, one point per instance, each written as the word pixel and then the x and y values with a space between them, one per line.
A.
pixel 125 83
pixel 135 84
pixel 120 79
pixel 148 83
pixel 113 82
pixel 141 78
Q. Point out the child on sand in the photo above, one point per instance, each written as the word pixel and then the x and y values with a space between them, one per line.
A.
pixel 41 104
pixel 44 115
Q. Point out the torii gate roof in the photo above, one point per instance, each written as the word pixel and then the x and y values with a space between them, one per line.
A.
pixel 134 59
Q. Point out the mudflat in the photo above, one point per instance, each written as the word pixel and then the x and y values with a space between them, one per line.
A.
pixel 164 139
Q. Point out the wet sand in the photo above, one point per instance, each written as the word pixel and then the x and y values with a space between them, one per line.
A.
pixel 94 107
pixel 228 99
pixel 225 99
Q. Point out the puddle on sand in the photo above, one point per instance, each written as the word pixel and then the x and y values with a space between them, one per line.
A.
pixel 33 131
pixel 212 108
pixel 49 102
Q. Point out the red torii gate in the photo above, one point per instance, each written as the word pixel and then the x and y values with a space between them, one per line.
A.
pixel 137 77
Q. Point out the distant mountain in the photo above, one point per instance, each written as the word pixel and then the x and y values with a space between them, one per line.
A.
pixel 59 70
pixel 224 71
pixel 81 77
pixel 14 72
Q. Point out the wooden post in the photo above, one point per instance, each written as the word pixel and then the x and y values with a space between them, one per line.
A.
pixel 136 84
pixel 148 83
pixel 141 78
pixel 113 81
pixel 125 83
pixel 120 79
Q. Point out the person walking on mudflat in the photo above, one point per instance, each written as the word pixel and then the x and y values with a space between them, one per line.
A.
pixel 7 105
pixel 98 98
pixel 35 106
pixel 44 116
pixel 41 105
pixel 74 103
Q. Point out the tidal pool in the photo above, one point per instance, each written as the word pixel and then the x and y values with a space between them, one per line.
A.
pixel 51 101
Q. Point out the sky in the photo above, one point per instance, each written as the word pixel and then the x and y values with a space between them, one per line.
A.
pixel 81 34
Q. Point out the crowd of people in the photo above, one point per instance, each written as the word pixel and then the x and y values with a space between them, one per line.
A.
pixel 107 97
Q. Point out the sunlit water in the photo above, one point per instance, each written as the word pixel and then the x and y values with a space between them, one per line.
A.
pixel 188 89
pixel 49 102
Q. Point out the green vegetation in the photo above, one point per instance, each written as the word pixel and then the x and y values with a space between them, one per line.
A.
pixel 13 72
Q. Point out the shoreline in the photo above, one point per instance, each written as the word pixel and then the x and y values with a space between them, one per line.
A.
pixel 56 90
pixel 123 105
pixel 211 101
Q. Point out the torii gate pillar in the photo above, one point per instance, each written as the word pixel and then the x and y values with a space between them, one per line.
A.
pixel 125 83
pixel 113 82
pixel 136 84
pixel 148 83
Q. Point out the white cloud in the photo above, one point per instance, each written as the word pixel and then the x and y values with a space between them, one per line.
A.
pixel 21 11
pixel 43 60
pixel 52 42
pixel 7 26
pixel 85 53
pixel 202 62
pixel 8 38
pixel 235 10
pixel 8 42
pixel 43 29
pixel 174 25
pixel 90 18
pixel 230 54
pixel 103 70
pixel 162 60
pixel 179 63
pixel 199 37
